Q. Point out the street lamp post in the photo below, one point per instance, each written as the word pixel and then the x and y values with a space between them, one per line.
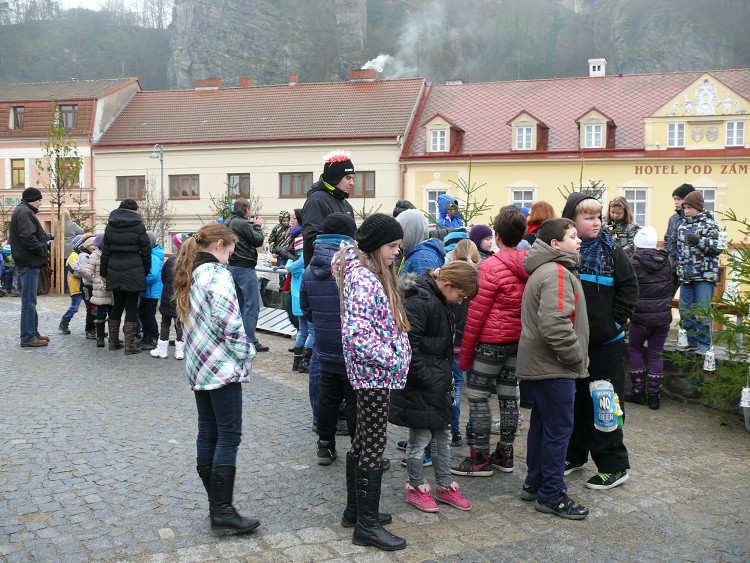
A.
pixel 160 155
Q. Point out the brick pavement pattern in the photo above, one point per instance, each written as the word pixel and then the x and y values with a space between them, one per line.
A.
pixel 97 463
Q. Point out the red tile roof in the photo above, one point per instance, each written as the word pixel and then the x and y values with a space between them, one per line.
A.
pixel 483 110
pixel 340 110
pixel 63 90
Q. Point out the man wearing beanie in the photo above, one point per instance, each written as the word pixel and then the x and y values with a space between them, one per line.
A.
pixel 319 300
pixel 670 237
pixel 327 195
pixel 28 242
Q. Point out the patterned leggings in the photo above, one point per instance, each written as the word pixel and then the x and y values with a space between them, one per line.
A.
pixel 494 370
pixel 372 421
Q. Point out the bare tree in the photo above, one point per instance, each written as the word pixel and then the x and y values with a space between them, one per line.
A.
pixel 151 209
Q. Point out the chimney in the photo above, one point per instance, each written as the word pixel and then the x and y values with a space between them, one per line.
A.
pixel 364 75
pixel 245 82
pixel 207 83
pixel 597 67
pixel 292 79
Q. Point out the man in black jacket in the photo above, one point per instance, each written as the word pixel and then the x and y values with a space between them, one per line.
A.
pixel 327 195
pixel 28 242
pixel 242 264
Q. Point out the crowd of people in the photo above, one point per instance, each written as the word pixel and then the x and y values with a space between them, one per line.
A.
pixel 396 322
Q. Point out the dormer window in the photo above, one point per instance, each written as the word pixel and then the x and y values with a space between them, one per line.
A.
pixel 69 116
pixel 524 138
pixel 593 136
pixel 529 133
pixel 735 133
pixel 597 131
pixel 438 140
pixel 676 135
pixel 16 117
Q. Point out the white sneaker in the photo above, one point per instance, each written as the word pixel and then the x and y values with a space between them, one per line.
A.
pixel 179 350
pixel 161 349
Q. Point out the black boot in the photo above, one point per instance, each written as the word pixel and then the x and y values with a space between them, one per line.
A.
pixel 147 342
pixel 298 353
pixel 63 326
pixel 368 530
pixel 204 471
pixel 99 333
pixel 224 518
pixel 304 365
pixel 349 518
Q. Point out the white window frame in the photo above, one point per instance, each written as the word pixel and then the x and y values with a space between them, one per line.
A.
pixel 438 140
pixel 524 138
pixel 676 135
pixel 522 197
pixel 735 133
pixel 709 198
pixel 593 134
pixel 638 200
pixel 431 203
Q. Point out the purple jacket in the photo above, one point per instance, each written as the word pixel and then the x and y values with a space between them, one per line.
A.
pixel 376 352
pixel 654 272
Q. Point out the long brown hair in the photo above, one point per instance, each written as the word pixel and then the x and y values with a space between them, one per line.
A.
pixel 621 203
pixel 466 251
pixel 387 276
pixel 460 275
pixel 185 263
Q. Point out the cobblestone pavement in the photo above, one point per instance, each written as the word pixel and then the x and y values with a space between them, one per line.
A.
pixel 97 464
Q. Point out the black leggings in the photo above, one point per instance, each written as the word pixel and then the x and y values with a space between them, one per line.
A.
pixel 125 301
pixel 166 323
pixel 372 423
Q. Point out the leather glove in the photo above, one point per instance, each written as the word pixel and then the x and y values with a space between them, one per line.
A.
pixel 692 239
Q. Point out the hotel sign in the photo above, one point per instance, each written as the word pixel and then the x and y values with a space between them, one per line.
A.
pixel 704 169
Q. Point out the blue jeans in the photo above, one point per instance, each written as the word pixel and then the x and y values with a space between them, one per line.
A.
pixel 314 383
pixel 75 302
pixel 698 331
pixel 219 424
pixel 248 295
pixel 29 278
pixel 458 385
pixel 305 334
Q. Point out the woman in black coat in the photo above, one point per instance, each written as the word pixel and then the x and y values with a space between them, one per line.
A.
pixel 126 259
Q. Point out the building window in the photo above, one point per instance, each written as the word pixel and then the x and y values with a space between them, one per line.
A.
pixel 16 117
pixel 709 198
pixel 184 186
pixel 295 184
pixel 131 187
pixel 676 135
pixel 69 117
pixel 438 143
pixel 364 184
pixel 522 198
pixel 637 199
pixel 523 139
pixel 432 205
pixel 735 133
pixel 238 185
pixel 593 136
pixel 70 171
pixel 17 173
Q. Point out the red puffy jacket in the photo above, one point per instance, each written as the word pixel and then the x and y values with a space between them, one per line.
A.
pixel 495 313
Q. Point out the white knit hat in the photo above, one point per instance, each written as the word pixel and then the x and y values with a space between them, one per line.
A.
pixel 645 238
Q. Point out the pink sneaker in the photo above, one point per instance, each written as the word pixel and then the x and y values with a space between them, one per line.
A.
pixel 421 498
pixel 451 496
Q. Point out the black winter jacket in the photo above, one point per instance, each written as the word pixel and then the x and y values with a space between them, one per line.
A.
pixel 249 238
pixel 426 400
pixel 319 300
pixel 654 271
pixel 126 252
pixel 28 241
pixel 320 203
pixel 167 307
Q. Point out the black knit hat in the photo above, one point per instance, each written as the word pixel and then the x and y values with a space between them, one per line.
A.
pixel 31 194
pixel 337 165
pixel 129 204
pixel 378 229
pixel 339 224
pixel 683 190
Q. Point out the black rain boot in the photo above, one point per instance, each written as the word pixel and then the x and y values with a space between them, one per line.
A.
pixel 638 383
pixel 655 381
pixel 63 326
pixel 349 518
pixel 99 333
pixel 204 471
pixel 147 342
pixel 368 530
pixel 224 517
pixel 298 353
pixel 129 329
pixel 114 334
pixel 304 365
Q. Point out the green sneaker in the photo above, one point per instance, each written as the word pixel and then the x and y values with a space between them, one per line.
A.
pixel 604 481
